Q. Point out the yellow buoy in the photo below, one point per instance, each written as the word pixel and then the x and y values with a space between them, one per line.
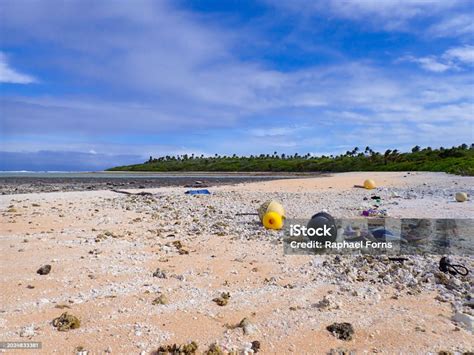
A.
pixel 461 196
pixel 369 184
pixel 272 220
pixel 271 206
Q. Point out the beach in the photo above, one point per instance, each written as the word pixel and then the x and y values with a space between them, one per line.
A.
pixel 143 271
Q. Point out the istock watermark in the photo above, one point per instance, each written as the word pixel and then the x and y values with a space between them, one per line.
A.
pixel 297 230
pixel 402 236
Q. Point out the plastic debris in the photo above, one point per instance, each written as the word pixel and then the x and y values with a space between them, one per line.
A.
pixel 461 196
pixel 323 220
pixel 446 266
pixel 369 184
pixel 272 214
pixel 271 206
pixel 272 220
pixel 374 212
pixel 383 234
pixel 198 192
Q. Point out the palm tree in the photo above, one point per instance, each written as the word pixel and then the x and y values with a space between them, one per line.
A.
pixel 386 155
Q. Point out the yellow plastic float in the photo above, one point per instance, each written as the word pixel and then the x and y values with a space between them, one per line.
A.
pixel 461 196
pixel 369 184
pixel 272 220
pixel 272 214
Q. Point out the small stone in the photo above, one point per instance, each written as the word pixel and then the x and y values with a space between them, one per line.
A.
pixel 160 274
pixel 223 299
pixel 420 329
pixel 214 349
pixel 181 249
pixel 44 270
pixel 442 278
pixel 161 299
pixel 28 332
pixel 327 303
pixel 247 326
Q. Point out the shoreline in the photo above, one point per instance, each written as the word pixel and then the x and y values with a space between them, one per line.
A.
pixel 295 182
pixel 157 173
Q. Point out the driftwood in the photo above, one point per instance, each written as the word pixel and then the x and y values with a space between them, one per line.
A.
pixel 132 193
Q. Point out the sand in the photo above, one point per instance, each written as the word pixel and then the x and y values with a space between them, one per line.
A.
pixel 104 248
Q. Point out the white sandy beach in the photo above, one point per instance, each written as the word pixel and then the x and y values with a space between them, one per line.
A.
pixel 104 248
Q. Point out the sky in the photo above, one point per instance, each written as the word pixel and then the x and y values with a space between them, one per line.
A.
pixel 87 85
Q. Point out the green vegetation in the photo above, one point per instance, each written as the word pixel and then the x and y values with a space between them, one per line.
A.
pixel 456 160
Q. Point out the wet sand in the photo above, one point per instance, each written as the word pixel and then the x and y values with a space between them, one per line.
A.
pixel 20 183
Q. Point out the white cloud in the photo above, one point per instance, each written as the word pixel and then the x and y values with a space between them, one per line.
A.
pixel 10 75
pixel 463 54
pixel 429 63
pixel 275 131
pixel 389 9
pixel 447 18
pixel 455 25
pixel 453 59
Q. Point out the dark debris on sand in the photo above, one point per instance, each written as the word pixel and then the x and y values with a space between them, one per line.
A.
pixel 175 349
pixel 66 322
pixel 343 331
pixel 44 270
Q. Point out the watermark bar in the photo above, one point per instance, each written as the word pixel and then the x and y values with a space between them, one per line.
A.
pixel 394 236
pixel 33 345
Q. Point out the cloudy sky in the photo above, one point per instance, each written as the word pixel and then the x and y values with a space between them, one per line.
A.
pixel 88 84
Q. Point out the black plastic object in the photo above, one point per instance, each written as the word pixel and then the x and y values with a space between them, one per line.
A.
pixel 319 220
pixel 446 266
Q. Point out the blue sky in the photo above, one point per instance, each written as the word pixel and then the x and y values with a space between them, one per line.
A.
pixel 87 85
